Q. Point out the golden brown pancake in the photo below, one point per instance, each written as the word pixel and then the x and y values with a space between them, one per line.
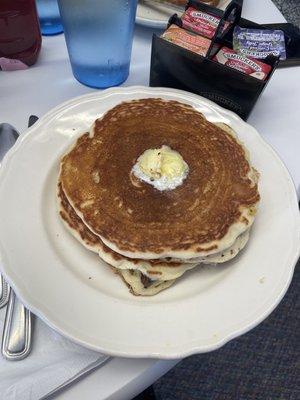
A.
pixel 93 242
pixel 143 277
pixel 154 268
pixel 68 214
pixel 203 216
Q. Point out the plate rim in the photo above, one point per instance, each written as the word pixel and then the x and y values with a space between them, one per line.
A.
pixel 173 354
pixel 149 22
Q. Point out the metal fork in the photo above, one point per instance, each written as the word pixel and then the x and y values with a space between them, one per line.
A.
pixel 16 338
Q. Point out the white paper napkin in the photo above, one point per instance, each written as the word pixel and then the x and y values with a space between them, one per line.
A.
pixel 52 361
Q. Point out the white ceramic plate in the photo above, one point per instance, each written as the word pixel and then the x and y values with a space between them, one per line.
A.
pixel 71 290
pixel 157 15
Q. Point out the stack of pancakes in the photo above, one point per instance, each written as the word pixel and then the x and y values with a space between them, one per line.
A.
pixel 151 237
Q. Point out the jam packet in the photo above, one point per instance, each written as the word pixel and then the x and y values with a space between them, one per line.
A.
pixel 259 43
pixel 247 65
pixel 188 40
pixel 201 22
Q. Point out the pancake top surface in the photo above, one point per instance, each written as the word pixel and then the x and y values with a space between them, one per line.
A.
pixel 134 216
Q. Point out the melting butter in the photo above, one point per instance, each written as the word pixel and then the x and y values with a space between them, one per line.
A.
pixel 163 168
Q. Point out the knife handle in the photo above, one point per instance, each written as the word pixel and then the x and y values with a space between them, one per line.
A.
pixel 16 339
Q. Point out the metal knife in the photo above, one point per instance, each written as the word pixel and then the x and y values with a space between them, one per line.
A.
pixel 8 136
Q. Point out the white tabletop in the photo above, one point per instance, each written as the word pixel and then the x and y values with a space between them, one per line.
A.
pixel 51 82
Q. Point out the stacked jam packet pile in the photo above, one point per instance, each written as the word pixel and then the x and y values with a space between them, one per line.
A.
pixel 249 46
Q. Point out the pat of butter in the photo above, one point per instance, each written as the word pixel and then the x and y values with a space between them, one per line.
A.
pixel 163 162
pixel 150 163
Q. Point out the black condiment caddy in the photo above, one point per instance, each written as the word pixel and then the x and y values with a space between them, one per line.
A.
pixel 176 67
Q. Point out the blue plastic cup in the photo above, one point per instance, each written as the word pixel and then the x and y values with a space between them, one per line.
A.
pixel 99 37
pixel 49 17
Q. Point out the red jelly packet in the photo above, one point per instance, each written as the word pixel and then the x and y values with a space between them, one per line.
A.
pixel 188 40
pixel 247 65
pixel 200 22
